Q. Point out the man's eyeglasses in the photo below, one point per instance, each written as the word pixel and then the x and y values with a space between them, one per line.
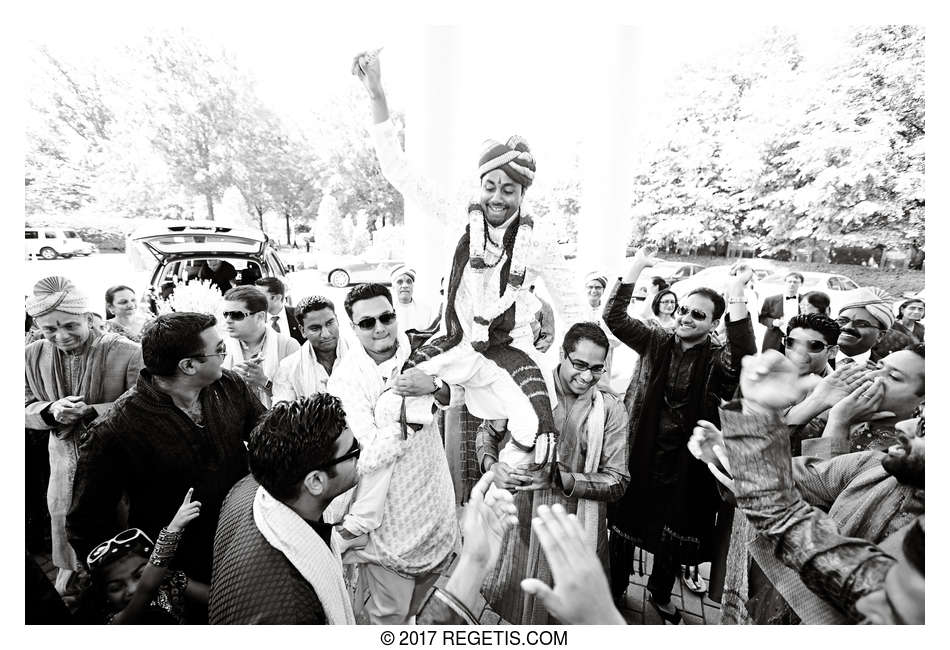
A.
pixel 580 366
pixel 695 313
pixel 369 322
pixel 844 321
pixel 354 452
pixel 238 315
pixel 219 353
pixel 809 344
pixel 125 540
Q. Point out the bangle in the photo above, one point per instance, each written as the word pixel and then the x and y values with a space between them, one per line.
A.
pixel 736 301
pixel 165 547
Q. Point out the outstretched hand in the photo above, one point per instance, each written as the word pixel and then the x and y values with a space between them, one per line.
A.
pixel 770 382
pixel 366 68
pixel 645 256
pixel 487 515
pixel 187 512
pixel 580 595
pixel 707 446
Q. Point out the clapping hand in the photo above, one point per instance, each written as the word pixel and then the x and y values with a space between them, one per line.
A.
pixel 839 384
pixel 580 595
pixel 770 382
pixel 188 511
pixel 487 515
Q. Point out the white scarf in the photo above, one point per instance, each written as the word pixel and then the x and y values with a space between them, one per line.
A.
pixel 269 353
pixel 319 564
pixel 587 509
pixel 311 377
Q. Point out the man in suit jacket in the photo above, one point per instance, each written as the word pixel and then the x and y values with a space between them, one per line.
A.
pixel 777 310
pixel 280 317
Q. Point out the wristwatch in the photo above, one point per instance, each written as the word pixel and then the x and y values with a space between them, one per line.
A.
pixel 269 385
pixel 438 383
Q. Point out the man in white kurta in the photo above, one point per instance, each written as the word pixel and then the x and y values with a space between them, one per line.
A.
pixel 399 523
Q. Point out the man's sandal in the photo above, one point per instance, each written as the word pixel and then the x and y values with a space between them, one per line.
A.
pixel 673 618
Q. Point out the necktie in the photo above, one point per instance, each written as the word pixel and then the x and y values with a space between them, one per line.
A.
pixel 274 323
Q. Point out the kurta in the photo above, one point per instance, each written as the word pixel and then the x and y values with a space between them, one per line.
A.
pixel 520 555
pixel 152 451
pixel 101 371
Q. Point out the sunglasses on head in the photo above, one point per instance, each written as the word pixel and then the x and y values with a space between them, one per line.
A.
pixel 238 315
pixel 369 322
pixel 695 313
pixel 109 549
pixel 809 344
pixel 354 452
pixel 844 321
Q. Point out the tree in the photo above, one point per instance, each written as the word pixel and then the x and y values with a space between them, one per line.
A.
pixel 330 237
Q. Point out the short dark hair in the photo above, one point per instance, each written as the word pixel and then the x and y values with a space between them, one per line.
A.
pixel 365 291
pixel 659 282
pixel 817 299
pixel 719 303
pixel 274 285
pixel 827 327
pixel 916 348
pixel 172 337
pixel 795 274
pixel 110 296
pixel 253 298
pixel 659 296
pixel 913 546
pixel 584 331
pixel 312 303
pixel 292 440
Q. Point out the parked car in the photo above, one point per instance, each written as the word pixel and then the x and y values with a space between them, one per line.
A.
pixel 345 270
pixel 50 243
pixel 176 251
pixel 669 271
pixel 715 277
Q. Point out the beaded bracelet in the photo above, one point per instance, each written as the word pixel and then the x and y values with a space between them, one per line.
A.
pixel 165 547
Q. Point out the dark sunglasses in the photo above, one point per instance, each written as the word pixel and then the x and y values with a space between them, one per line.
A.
pixel 238 315
pixel 809 344
pixel 844 321
pixel 695 313
pixel 580 366
pixel 354 452
pixel 369 322
pixel 125 540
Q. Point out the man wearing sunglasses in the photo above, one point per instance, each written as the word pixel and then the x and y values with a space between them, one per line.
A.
pixel 812 341
pixel 255 350
pixel 182 425
pixel 670 507
pixel 399 524
pixel 863 323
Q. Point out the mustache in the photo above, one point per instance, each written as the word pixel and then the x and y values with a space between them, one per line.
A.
pixel 851 332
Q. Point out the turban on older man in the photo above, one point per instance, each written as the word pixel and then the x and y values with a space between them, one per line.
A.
pixel 402 269
pixel 874 306
pixel 514 158
pixel 56 293
pixel 594 276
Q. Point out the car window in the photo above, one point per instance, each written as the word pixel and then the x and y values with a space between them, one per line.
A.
pixel 50 234
pixel 847 284
pixel 833 283
pixel 70 234
pixel 31 234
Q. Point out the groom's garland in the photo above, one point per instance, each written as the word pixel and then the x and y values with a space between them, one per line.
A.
pixel 484 255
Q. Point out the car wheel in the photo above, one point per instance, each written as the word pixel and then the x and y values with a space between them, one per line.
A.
pixel 67 255
pixel 339 278
pixel 47 253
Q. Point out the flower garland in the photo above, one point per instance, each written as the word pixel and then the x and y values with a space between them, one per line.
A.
pixel 488 307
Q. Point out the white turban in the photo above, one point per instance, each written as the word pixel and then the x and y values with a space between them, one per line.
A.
pixel 56 293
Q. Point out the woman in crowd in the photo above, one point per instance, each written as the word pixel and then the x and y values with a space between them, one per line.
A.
pixel 909 315
pixel 664 306
pixel 122 313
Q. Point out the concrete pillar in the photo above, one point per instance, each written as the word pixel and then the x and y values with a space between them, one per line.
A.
pixel 432 113
pixel 607 152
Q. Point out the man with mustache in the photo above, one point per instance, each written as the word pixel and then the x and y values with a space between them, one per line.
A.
pixel 863 322
pixel 868 496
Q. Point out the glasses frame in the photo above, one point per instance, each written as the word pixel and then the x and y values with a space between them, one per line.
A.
pixel 844 321
pixel 244 314
pixel 96 556
pixel 593 370
pixel 697 315
pixel 388 315
pixel 791 341
pixel 355 449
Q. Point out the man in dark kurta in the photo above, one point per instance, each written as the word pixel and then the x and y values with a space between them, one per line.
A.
pixel 183 425
pixel 670 506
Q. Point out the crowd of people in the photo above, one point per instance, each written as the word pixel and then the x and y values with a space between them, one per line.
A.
pixel 306 464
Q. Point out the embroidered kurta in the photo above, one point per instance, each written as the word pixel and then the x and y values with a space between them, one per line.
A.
pixel 101 371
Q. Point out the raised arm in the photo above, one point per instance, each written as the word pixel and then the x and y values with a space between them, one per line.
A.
pixel 630 331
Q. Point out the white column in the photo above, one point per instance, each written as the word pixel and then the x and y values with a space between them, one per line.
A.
pixel 432 129
pixel 607 151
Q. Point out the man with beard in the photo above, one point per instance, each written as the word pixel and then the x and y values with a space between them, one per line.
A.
pixel 869 495
pixel 307 371
pixel 863 323
pixel 670 508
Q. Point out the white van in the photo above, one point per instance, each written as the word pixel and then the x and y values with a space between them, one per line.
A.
pixel 50 243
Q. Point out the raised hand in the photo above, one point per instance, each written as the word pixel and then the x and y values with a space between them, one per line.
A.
pixel 770 382
pixel 487 515
pixel 645 257
pixel 739 280
pixel 188 511
pixel 366 68
pixel 839 384
pixel 580 595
